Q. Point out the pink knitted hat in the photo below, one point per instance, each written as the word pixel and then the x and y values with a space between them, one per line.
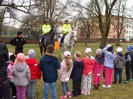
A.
pixel 21 56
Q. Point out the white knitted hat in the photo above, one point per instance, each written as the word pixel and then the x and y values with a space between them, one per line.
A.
pixel 119 49
pixel 88 50
pixel 99 51
pixel 67 53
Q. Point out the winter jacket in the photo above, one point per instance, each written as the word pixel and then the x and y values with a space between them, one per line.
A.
pixel 128 57
pixel 77 70
pixel 109 58
pixel 9 69
pixel 18 42
pixel 3 60
pixel 119 61
pixel 21 74
pixel 49 64
pixel 88 66
pixel 99 65
pixel 4 52
pixel 64 76
pixel 34 68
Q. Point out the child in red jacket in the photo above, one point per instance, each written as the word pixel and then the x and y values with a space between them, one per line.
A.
pixel 35 73
pixel 87 71
pixel 98 68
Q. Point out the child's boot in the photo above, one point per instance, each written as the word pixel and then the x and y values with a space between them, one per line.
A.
pixel 98 85
pixel 94 87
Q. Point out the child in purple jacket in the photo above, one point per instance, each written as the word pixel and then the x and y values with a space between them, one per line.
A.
pixel 98 68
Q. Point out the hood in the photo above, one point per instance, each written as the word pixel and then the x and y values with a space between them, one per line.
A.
pixel 30 61
pixel 20 67
pixel 49 58
pixel 121 57
pixel 11 63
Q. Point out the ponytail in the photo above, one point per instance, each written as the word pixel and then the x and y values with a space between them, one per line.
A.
pixel 68 64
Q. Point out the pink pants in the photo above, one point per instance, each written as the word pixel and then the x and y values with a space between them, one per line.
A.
pixel 108 75
pixel 21 92
pixel 97 79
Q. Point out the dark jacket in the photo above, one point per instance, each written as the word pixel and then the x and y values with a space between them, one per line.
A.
pixel 128 58
pixel 77 70
pixel 49 64
pixel 18 42
pixel 119 61
pixel 3 60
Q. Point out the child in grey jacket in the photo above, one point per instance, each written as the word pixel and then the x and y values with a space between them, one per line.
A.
pixel 21 74
pixel 119 63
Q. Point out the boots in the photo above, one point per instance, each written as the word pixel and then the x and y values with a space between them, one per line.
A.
pixel 97 87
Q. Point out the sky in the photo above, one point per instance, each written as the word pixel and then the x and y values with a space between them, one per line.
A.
pixel 20 14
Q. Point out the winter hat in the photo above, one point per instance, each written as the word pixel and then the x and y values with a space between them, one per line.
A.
pixel 129 48
pixel 99 51
pixel 31 53
pixel 110 49
pixel 21 56
pixel 67 53
pixel 77 54
pixel 88 50
pixel 119 49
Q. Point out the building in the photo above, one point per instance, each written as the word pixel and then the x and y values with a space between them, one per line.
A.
pixel 125 27
pixel 128 22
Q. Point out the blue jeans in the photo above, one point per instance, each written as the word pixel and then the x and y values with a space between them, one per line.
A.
pixel 46 90
pixel 65 88
pixel 116 72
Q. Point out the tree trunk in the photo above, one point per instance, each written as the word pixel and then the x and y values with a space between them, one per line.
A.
pixel 103 41
pixel 86 42
pixel 118 39
pixel 0 30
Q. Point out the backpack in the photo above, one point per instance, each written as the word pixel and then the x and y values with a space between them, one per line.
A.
pixel 131 54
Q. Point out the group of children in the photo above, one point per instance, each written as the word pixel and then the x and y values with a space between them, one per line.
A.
pixel 24 71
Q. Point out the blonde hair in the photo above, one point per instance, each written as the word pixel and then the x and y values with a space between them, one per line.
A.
pixel 18 60
pixel 68 63
pixel 78 54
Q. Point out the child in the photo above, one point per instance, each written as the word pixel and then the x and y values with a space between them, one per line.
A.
pixel 119 63
pixel 98 68
pixel 49 64
pixel 76 74
pixel 35 73
pixel 21 75
pixel 87 71
pixel 108 65
pixel 128 65
pixel 64 74
pixel 9 71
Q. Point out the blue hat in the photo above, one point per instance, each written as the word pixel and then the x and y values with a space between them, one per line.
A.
pixel 129 48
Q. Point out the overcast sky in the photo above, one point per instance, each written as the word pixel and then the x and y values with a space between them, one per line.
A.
pixel 17 24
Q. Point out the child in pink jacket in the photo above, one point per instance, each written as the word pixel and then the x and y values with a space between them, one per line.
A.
pixel 9 72
pixel 87 71
pixel 98 68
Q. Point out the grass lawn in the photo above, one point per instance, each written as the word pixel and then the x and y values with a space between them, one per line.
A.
pixel 118 91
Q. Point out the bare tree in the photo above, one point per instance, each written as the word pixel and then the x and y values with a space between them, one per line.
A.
pixel 118 20
pixel 85 17
pixel 53 10
pixel 50 9
pixel 104 6
pixel 10 9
